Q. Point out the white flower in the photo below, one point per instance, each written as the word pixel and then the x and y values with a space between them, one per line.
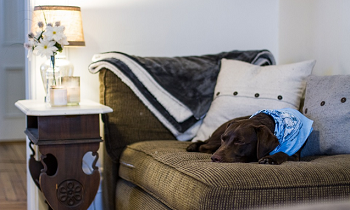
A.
pixel 46 48
pixel 29 46
pixel 63 41
pixel 30 54
pixel 46 42
pixel 55 33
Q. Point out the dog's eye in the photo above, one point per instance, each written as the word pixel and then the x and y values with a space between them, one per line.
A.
pixel 223 138
pixel 238 142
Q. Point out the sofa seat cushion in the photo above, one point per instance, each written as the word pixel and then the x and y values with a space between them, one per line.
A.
pixel 131 197
pixel 184 180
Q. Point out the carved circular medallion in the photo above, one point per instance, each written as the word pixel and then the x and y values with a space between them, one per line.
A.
pixel 70 192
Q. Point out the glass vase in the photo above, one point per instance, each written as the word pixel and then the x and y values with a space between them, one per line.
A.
pixel 51 72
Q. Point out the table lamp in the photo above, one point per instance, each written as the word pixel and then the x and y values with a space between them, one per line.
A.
pixel 70 18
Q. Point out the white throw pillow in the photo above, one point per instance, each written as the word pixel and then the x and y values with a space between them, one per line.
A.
pixel 243 88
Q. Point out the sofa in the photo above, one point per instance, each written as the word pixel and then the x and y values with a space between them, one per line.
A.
pixel 146 166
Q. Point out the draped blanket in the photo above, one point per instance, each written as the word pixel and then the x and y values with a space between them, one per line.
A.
pixel 177 90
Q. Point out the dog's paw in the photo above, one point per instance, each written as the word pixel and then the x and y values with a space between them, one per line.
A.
pixel 275 159
pixel 268 160
pixel 194 147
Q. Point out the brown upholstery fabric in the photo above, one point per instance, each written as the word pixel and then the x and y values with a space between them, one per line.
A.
pixel 130 196
pixel 184 180
pixel 129 122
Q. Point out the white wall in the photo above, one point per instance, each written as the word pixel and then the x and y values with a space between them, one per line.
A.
pixel 316 29
pixel 169 28
pixel 293 30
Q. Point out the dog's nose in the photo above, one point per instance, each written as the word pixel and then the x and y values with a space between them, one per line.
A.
pixel 215 158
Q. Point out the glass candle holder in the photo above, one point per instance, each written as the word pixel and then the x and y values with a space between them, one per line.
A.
pixel 72 84
pixel 58 96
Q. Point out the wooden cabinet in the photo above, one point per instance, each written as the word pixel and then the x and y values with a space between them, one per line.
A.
pixel 63 136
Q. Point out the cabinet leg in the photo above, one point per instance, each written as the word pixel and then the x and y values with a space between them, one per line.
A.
pixel 35 166
pixel 68 187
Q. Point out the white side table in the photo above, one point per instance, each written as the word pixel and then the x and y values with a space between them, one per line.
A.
pixel 64 135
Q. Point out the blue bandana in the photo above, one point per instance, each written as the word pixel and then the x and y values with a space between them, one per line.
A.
pixel 291 129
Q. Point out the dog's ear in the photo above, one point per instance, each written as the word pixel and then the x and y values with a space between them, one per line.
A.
pixel 266 141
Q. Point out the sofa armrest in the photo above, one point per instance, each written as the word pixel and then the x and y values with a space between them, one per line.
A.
pixel 130 122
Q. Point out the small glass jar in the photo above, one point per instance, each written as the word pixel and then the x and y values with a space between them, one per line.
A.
pixel 58 96
pixel 72 84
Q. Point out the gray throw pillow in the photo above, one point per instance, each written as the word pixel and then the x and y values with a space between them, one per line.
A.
pixel 327 103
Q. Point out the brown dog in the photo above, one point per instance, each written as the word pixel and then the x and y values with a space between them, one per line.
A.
pixel 244 140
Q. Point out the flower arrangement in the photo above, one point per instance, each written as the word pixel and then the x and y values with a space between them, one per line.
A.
pixel 47 41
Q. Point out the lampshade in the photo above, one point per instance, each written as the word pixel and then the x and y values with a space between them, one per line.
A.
pixel 69 16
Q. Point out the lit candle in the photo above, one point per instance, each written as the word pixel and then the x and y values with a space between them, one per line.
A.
pixel 72 84
pixel 58 96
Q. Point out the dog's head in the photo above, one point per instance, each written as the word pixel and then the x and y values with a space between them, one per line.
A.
pixel 244 141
